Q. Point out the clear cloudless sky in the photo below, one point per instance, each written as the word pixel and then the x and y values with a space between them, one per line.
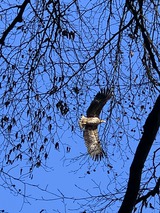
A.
pixel 66 178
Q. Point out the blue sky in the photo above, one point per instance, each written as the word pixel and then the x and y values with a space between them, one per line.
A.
pixel 73 174
pixel 67 178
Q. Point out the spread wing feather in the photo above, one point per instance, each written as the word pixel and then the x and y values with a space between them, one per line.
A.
pixel 92 142
pixel 98 103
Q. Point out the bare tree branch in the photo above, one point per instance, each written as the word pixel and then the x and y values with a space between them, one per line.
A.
pixel 17 19
pixel 145 34
pixel 152 193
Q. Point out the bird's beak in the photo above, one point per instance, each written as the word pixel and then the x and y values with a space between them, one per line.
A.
pixel 103 121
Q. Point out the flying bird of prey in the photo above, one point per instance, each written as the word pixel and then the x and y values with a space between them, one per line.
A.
pixel 89 124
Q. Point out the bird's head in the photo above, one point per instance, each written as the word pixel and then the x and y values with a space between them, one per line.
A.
pixel 102 121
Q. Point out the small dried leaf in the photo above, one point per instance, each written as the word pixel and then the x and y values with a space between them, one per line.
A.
pixel 41 148
pixel 9 128
pixel 14 121
pixel 72 35
pixel 18 147
pixel 7 103
pixel 65 33
pixel 45 140
pixel 46 156
pixel 50 127
pixel 57 145
pixel 68 149
pixel 38 164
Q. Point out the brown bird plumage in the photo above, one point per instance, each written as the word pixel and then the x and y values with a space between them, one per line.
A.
pixel 90 124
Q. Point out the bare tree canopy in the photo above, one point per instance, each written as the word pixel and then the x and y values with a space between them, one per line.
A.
pixel 54 57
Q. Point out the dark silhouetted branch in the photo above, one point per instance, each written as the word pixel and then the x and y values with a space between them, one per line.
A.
pixel 147 41
pixel 17 19
pixel 152 193
pixel 150 130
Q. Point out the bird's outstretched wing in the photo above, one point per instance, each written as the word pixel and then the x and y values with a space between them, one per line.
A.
pixel 98 103
pixel 92 142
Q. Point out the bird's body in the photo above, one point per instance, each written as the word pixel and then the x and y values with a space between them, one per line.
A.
pixel 90 124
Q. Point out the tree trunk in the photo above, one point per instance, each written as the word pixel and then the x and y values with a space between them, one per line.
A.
pixel 150 130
